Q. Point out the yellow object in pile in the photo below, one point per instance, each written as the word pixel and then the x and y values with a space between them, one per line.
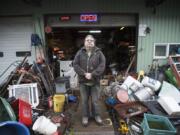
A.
pixel 123 127
pixel 58 102
pixel 140 75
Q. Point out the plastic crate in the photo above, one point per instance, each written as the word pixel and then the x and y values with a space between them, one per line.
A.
pixel 157 125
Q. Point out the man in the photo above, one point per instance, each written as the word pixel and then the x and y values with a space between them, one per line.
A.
pixel 89 64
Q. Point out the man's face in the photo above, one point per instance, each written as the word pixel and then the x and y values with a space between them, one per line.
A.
pixel 89 43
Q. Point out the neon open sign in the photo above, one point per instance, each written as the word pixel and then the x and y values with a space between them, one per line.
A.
pixel 88 17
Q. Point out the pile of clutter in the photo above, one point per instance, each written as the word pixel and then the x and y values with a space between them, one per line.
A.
pixel 158 101
pixel 23 114
pixel 30 103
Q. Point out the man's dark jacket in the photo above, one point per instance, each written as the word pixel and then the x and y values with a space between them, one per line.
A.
pixel 95 64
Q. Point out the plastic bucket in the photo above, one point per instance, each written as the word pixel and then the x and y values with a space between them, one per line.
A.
pixel 144 94
pixel 58 102
pixel 13 128
pixel 122 96
pixel 44 125
pixel 153 84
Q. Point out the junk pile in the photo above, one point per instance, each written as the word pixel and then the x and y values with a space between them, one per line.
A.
pixel 141 104
pixel 31 103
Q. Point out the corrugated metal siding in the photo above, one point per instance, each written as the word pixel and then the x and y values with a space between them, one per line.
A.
pixel 165 28
pixel 72 6
pixel 165 24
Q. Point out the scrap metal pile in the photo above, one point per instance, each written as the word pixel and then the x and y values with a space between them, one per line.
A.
pixel 136 102
pixel 24 73
pixel 28 100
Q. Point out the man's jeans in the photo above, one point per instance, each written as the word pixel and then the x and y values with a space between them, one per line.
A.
pixel 88 92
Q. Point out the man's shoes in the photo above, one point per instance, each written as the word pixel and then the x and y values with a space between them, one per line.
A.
pixel 85 121
pixel 98 120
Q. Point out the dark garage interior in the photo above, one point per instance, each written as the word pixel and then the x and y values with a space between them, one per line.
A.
pixel 117 43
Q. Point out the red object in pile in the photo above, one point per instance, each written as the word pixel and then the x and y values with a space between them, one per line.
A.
pixel 23 110
pixel 57 133
pixel 130 109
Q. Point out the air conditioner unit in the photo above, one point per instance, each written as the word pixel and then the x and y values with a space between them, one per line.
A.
pixel 25 92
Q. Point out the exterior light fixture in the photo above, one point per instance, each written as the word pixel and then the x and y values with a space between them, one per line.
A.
pixel 95 31
pixel 89 31
pixel 122 28
pixel 83 31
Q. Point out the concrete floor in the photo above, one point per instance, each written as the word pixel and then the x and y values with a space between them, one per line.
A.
pixel 92 128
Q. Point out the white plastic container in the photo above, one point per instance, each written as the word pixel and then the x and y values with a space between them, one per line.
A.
pixel 144 94
pixel 131 83
pixel 170 105
pixel 152 83
pixel 44 126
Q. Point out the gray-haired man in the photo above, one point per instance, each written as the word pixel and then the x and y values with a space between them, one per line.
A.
pixel 89 64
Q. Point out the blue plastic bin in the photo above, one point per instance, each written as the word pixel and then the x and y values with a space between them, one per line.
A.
pixel 13 128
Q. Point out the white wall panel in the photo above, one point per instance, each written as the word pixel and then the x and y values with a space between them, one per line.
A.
pixel 15 36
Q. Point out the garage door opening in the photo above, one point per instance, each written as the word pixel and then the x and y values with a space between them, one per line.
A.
pixel 117 43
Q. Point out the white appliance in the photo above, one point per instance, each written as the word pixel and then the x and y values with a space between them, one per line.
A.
pixel 66 69
pixel 25 92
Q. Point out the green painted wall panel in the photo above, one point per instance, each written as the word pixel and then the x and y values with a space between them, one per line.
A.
pixel 165 28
